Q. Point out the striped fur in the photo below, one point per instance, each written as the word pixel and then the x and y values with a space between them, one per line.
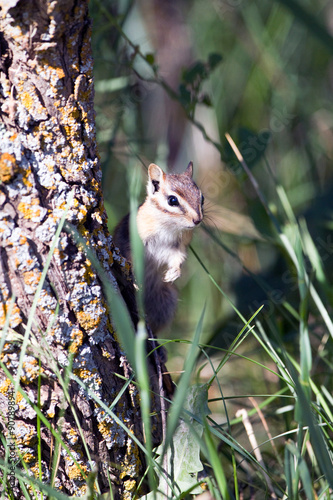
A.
pixel 166 231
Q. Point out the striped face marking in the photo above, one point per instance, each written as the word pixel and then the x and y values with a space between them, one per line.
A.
pixel 177 196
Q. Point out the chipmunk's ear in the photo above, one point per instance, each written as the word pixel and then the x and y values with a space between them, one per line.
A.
pixel 189 170
pixel 156 177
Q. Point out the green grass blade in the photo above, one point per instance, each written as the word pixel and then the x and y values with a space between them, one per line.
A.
pixel 317 438
pixel 180 396
pixel 308 19
pixel 218 287
pixel 289 472
pixel 142 377
pixel 302 471
pixel 137 249
pixel 215 462
pixel 236 343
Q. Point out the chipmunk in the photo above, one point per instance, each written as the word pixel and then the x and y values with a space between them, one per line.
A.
pixel 165 221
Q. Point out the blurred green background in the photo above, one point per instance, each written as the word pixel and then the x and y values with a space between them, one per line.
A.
pixel 171 78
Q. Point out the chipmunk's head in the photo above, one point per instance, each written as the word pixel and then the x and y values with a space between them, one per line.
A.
pixel 176 196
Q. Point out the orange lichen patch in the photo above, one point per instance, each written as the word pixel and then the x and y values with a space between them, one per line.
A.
pixel 88 320
pixel 45 134
pixel 82 213
pixel 97 216
pixel 30 210
pixel 31 278
pixel 8 167
pixel 19 397
pixel 27 100
pixel 73 437
pixel 59 253
pixel 65 153
pixel 61 206
pixel 89 274
pixel 50 163
pixel 83 373
pixel 130 465
pixel 106 354
pixel 26 434
pixel 77 335
pixel 71 116
pixel 26 177
pixel 29 262
pixel 94 185
pixel 15 314
pixel 74 471
pixel 31 369
pixel 60 72
pixel 6 384
pixel 130 486
pixel 105 428
pixel 28 458
pixel 35 470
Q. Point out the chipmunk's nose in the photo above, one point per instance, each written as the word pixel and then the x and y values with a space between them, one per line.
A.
pixel 196 221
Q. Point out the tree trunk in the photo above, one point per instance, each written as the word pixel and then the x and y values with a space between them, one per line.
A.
pixel 47 151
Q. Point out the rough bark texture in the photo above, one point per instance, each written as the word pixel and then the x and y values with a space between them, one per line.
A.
pixel 47 150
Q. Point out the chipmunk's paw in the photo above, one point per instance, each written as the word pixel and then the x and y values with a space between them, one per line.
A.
pixel 172 274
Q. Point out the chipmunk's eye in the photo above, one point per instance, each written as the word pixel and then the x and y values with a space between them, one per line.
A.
pixel 173 201
pixel 202 200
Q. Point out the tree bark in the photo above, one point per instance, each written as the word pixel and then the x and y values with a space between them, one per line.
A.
pixel 47 151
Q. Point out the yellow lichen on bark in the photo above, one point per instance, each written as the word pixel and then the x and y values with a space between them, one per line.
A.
pixel 130 486
pixel 77 336
pixel 30 210
pixel 8 167
pixel 76 472
pixel 32 370
pixel 105 428
pixel 31 278
pixel 5 386
pixel 60 73
pixel 27 99
pixel 88 375
pixel 130 468
pixel 25 434
pixel 89 273
pixel 15 314
pixel 88 320
pixel 28 458
pixel 131 464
